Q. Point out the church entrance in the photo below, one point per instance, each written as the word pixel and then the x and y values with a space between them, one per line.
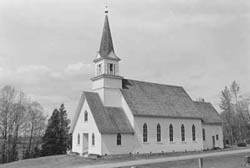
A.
pixel 85 143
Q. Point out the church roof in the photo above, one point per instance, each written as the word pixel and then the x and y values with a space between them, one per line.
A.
pixel 108 119
pixel 208 113
pixel 152 99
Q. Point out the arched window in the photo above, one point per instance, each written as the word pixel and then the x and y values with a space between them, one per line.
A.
pixel 93 139
pixel 85 116
pixel 119 139
pixel 158 133
pixel 193 133
pixel 203 134
pixel 145 133
pixel 171 133
pixel 78 139
pixel 182 133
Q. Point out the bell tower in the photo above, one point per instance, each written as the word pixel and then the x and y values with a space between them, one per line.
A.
pixel 107 81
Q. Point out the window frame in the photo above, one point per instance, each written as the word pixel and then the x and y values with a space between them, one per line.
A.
pixel 183 137
pixel 171 133
pixel 86 116
pixel 158 133
pixel 93 139
pixel 193 133
pixel 99 69
pixel 78 139
pixel 145 133
pixel 203 134
pixel 119 139
pixel 217 137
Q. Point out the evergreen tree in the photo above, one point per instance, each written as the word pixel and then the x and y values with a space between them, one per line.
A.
pixel 55 140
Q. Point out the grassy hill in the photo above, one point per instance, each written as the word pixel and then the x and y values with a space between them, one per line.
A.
pixel 59 161
pixel 70 161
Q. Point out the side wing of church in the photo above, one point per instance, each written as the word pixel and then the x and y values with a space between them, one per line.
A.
pixel 122 116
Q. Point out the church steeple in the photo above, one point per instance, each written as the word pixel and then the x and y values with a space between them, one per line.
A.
pixel 107 82
pixel 106 43
pixel 106 50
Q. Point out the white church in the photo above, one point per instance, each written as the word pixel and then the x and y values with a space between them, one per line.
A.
pixel 124 116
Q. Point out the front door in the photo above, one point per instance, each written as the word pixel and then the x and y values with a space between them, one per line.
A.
pixel 213 141
pixel 85 143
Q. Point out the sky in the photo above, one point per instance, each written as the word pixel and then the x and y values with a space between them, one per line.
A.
pixel 47 47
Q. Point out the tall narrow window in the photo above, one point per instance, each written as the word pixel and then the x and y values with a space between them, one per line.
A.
pixel 119 139
pixel 93 139
pixel 85 116
pixel 145 133
pixel 99 69
pixel 182 133
pixel 111 69
pixel 158 133
pixel 78 139
pixel 217 137
pixel 193 133
pixel 171 133
pixel 203 134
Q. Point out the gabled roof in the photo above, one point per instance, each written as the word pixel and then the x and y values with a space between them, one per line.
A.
pixel 151 99
pixel 109 120
pixel 208 113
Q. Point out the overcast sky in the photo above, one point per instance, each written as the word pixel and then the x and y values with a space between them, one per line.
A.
pixel 47 46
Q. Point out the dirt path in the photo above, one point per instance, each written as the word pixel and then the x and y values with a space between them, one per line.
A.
pixel 165 159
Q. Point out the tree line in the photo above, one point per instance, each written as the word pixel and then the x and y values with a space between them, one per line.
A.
pixel 235 114
pixel 26 132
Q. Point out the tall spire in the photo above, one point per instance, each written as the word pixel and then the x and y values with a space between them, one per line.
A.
pixel 106 48
pixel 106 43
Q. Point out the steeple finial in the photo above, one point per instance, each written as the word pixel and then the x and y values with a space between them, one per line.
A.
pixel 106 7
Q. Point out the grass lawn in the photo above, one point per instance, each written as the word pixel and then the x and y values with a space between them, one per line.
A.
pixel 230 161
pixel 67 161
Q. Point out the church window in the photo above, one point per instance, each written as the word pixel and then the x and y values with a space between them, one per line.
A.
pixel 93 139
pixel 193 133
pixel 78 139
pixel 111 69
pixel 158 133
pixel 145 133
pixel 203 134
pixel 182 133
pixel 171 133
pixel 99 69
pixel 119 139
pixel 217 137
pixel 85 116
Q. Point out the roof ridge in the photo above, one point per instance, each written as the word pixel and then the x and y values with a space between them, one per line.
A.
pixel 155 83
pixel 202 102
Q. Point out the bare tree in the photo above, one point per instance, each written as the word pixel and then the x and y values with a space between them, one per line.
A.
pixel 235 113
pixel 20 121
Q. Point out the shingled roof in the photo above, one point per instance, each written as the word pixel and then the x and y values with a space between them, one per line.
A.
pixel 109 120
pixel 208 113
pixel 151 99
